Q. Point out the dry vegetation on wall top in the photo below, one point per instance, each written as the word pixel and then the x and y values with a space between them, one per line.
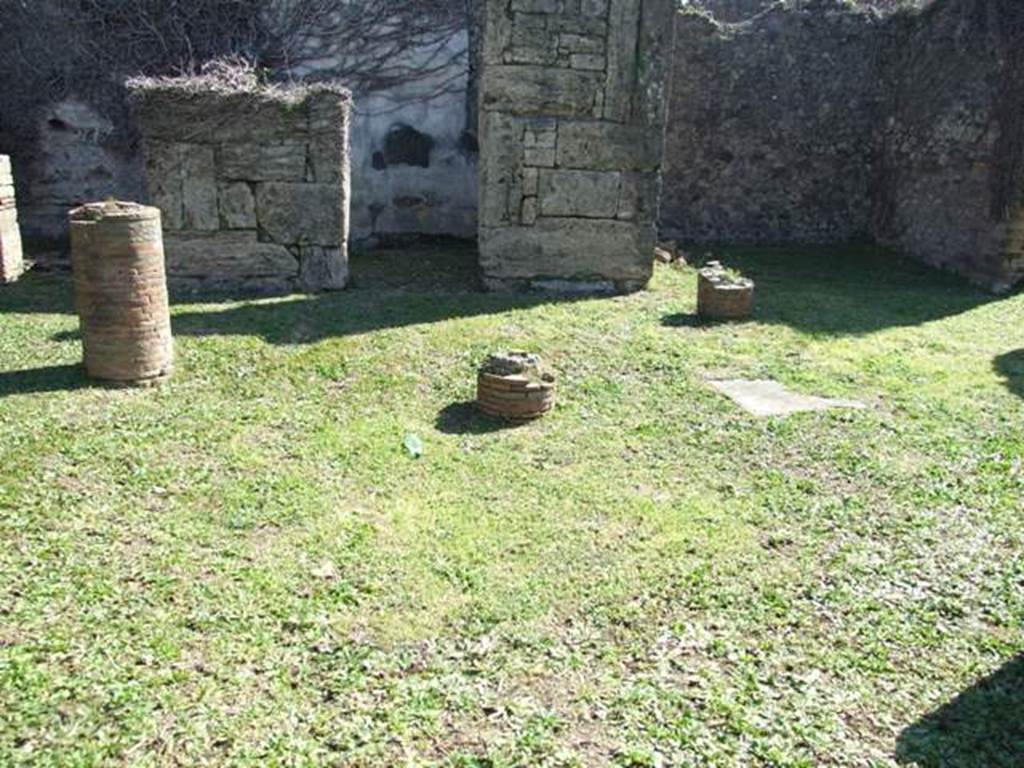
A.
pixel 85 49
pixel 252 178
pixel 231 76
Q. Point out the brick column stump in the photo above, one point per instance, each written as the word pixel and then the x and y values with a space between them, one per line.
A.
pixel 721 296
pixel 117 258
pixel 515 387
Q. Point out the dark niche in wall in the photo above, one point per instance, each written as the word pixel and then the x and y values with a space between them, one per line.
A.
pixel 404 145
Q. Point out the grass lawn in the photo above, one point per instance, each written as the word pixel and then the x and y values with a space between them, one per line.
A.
pixel 246 567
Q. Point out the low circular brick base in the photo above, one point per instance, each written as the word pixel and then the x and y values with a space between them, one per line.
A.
pixel 514 388
pixel 722 297
pixel 117 259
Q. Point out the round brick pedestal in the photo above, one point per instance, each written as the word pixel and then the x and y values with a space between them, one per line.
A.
pixel 514 388
pixel 721 296
pixel 117 258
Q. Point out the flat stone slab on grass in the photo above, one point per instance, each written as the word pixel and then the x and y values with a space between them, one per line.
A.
pixel 769 398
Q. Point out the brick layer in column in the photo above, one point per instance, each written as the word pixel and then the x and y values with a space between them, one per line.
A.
pixel 121 292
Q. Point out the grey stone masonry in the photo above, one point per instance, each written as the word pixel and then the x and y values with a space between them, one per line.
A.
pixel 12 263
pixel 572 124
pixel 253 183
pixel 826 121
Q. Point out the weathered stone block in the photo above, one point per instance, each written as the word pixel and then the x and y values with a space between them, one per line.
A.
pixel 254 184
pixel 623 35
pixel 584 250
pixel 164 163
pixel 536 6
pixel 12 260
pixel 182 184
pixel 199 189
pixel 570 151
pixel 282 161
pixel 301 214
pixel 500 167
pixel 604 146
pixel 12 263
pixel 640 198
pixel 322 269
pixel 237 206
pixel 225 257
pixel 581 25
pixel 585 194
pixel 592 62
pixel 541 91
pixel 216 117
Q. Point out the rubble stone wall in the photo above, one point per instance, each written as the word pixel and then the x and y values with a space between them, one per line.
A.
pixel 11 260
pixel 824 122
pixel 253 184
pixel 572 115
pixel 950 186
pixel 770 134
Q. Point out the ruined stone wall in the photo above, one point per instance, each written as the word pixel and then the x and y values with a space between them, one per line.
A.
pixel 770 133
pixel 11 260
pixel 253 183
pixel 79 156
pixel 824 121
pixel 951 181
pixel 74 143
pixel 573 103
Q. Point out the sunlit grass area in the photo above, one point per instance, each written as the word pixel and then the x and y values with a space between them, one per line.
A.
pixel 246 567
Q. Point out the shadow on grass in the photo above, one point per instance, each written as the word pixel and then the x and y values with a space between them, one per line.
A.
pixel 390 289
pixel 693 320
pixel 306 320
pixel 1011 367
pixel 58 378
pixel 465 419
pixel 848 290
pixel 983 727
pixel 827 291
pixel 63 337
pixel 38 293
pixel 682 320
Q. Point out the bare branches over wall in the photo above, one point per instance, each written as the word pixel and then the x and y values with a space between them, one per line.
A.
pixel 368 43
pixel 57 48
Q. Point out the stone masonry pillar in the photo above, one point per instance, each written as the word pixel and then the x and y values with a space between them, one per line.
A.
pixel 572 123
pixel 12 262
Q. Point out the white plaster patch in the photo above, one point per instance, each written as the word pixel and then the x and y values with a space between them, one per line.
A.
pixel 769 398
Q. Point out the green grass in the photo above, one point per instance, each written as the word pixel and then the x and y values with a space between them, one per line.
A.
pixel 246 567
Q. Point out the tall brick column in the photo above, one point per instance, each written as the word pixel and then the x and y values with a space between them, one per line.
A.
pixel 12 263
pixel 117 257
pixel 572 119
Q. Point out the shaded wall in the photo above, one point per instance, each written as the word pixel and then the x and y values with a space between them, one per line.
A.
pixel 414 146
pixel 951 140
pixel 825 122
pixel 770 133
